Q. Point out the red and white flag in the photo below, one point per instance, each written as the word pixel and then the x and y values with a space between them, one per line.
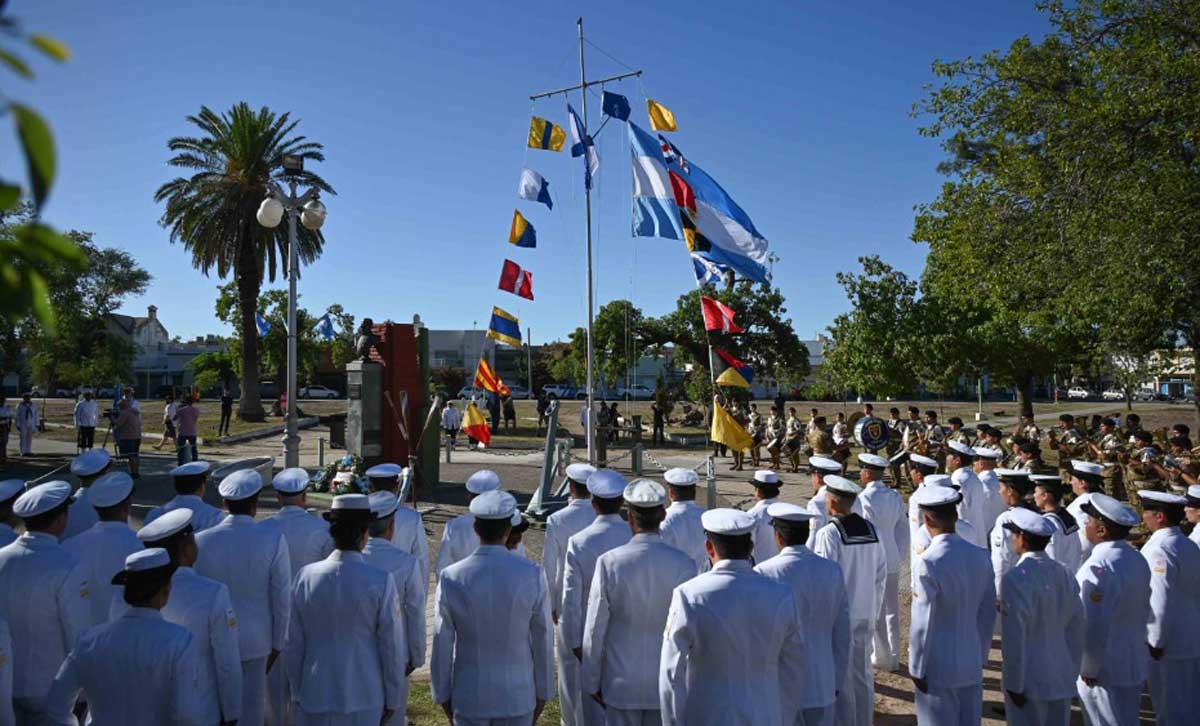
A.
pixel 515 280
pixel 718 316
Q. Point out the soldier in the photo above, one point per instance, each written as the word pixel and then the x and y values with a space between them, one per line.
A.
pixel 1086 479
pixel 1065 546
pixel 306 535
pixel 884 508
pixel 935 436
pixel 1107 450
pixel 1014 487
pixel 682 528
pixel 458 538
pixel 895 428
pixel 957 432
pixel 794 438
pixel 408 529
pixel 914 429
pixel 735 412
pixel 1179 467
pixel 821 467
pixel 1174 667
pixel 1027 429
pixel 766 492
pixel 841 437
pixel 922 538
pixel 824 608
pixel 974 505
pixel 919 468
pixel 812 424
pixel 1192 511
pixel 1133 424
pixel 189 480
pixel 1069 443
pixel 102 550
pixel 10 489
pixel 87 467
pixel 757 429
pixel 1139 467
pixel 775 435
pixel 1029 458
pixel 986 460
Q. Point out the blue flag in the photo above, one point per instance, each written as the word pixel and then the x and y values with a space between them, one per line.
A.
pixel 324 327
pixel 583 145
pixel 708 271
pixel 262 324
pixel 535 188
pixel 615 105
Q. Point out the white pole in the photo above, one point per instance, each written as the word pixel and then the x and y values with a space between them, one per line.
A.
pixel 587 201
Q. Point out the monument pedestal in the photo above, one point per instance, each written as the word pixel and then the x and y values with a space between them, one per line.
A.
pixel 364 422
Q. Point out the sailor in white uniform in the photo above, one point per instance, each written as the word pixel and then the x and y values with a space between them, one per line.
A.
pixel 1014 487
pixel 87 467
pixel 43 597
pixel 824 609
pixel 1114 586
pixel 405 571
pixel 920 468
pixel 853 543
pixel 959 461
pixel 560 527
pixel 883 507
pixel 986 461
pixel 189 480
pixel 408 528
pixel 492 666
pixel 733 650
pixel 608 531
pixel 627 612
pixel 356 678
pixel 252 561
pixel 102 550
pixel 307 538
pixel 682 528
pixel 1171 633
pixel 1041 628
pixel 962 527
pixel 10 489
pixel 1065 548
pixel 458 538
pixel 766 493
pixel 953 613
pixel 1191 511
pixel 138 670
pixel 820 467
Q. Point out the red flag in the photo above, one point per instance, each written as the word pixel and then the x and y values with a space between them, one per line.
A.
pixel 718 316
pixel 515 280
pixel 486 378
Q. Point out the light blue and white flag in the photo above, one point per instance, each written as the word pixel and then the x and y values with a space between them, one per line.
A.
pixel 324 327
pixel 583 145
pixel 263 325
pixel 534 187
pixel 655 213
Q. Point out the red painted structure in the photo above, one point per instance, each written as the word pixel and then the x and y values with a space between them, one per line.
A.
pixel 396 350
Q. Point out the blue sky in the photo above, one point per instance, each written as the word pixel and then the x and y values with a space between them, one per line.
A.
pixel 799 109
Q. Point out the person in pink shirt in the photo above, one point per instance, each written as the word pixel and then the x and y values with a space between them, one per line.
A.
pixel 186 416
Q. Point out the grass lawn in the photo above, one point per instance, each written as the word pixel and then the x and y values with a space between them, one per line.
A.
pixel 424 712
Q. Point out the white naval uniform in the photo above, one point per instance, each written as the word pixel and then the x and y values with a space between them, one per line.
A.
pixel 491 641
pixel 824 610
pixel 855 546
pixel 953 613
pixel 308 541
pixel 764 534
pixel 347 680
pixel 974 505
pixel 44 599
pixel 138 670
pixel 626 613
pixel 8 535
pixel 459 541
pixel 1003 554
pixel 101 552
pixel 204 515
pixel 1113 585
pixel 408 534
pixel 683 530
pixel 994 504
pixel 1081 517
pixel 560 527
pixel 816 505
pixel 1064 547
pixel 81 516
pixel 1041 627
pixel 25 419
pixel 606 532
pixel 1174 626
pixel 7 717
pixel 883 507
pixel 1194 536
pixel 252 561
pixel 733 651
pixel 410 589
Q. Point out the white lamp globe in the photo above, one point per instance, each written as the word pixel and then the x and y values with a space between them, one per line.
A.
pixel 313 215
pixel 270 212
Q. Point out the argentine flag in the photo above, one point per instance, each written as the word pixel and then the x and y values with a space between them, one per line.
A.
pixel 655 213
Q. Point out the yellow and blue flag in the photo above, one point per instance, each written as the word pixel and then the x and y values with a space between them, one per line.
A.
pixel 736 373
pixel 505 328
pixel 522 233
pixel 546 135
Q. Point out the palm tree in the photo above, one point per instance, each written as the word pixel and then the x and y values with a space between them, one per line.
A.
pixel 212 212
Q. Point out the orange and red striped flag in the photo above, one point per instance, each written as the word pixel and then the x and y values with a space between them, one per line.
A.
pixel 486 378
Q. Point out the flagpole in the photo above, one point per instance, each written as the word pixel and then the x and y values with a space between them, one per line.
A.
pixel 591 301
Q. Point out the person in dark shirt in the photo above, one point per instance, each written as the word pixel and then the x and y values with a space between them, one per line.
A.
pixel 226 412
pixel 658 436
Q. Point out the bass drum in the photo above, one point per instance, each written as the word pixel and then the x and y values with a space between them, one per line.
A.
pixel 871 433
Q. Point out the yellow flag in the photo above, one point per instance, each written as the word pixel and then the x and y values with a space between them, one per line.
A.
pixel 661 118
pixel 727 431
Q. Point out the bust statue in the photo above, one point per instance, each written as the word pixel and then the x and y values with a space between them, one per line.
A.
pixel 364 340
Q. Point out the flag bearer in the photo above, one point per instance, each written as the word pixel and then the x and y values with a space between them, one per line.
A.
pixel 883 507
pixel 682 528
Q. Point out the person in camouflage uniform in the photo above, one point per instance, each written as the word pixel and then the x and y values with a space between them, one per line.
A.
pixel 820 442
pixel 1068 443
pixel 1027 430
pixel 774 436
pixel 957 432
pixel 1180 469
pixel 794 438
pixel 1133 424
pixel 1140 472
pixel 1029 458
pixel 757 428
pixel 1106 450
pixel 738 414
pixel 895 427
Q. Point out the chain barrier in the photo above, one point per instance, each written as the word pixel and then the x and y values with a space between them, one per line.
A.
pixel 508 452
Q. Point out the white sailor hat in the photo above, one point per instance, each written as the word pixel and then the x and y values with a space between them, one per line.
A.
pixel 765 477
pixel 924 461
pixel 1156 500
pixel 935 496
pixel 90 462
pixel 790 512
pixel 606 484
pixel 873 461
pixel 168 525
pixel 10 488
pixel 937 480
pixel 960 448
pixel 484 480
pixel 386 470
pixel 145 563
pixel 645 494
pixel 727 521
pixel 1026 520
pixel 1087 468
pixel 987 452
pixel 580 472
pixel 383 504
pixel 825 464
pixel 518 521
pixel 1004 473
pixel 1039 478
pixel 192 468
pixel 681 477
pixel 841 485
pixel 241 484
pixel 110 489
pixel 353 508
pixel 292 480
pixel 495 504
pixel 1104 506
pixel 1193 495
pixel 41 499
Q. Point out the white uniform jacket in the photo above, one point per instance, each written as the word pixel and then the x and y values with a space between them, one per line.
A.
pixel 137 671
pixel 627 609
pixel 1041 627
pixel 974 505
pixel 606 532
pixel 410 588
pixel 816 505
pixel 491 641
pixel 204 515
pixel 1064 547
pixel 824 611
pixel 307 536
pixel 560 527
pixel 1001 546
pixel 8 535
pixel 884 508
pixel 853 544
pixel 44 598
pixel 1112 586
pixel 81 516
pixel 101 552
pixel 1174 562
pixel 408 534
pixel 252 561
pixel 683 531
pixel 764 534
pixel 1081 517
pixel 733 651
pixel 993 503
pixel 953 613
pixel 459 541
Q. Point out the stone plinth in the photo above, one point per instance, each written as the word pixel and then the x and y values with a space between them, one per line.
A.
pixel 364 423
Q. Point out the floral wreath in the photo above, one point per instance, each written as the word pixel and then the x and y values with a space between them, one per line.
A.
pixel 344 476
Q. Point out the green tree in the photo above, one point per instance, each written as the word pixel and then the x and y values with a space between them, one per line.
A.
pixel 212 212
pixel 218 367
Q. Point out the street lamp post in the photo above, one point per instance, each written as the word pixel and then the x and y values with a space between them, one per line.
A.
pixel 312 215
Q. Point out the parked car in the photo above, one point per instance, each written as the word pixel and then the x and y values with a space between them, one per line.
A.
pixel 1078 392
pixel 64 393
pixel 518 392
pixel 559 390
pixel 1145 394
pixel 1113 394
pixel 635 393
pixel 317 392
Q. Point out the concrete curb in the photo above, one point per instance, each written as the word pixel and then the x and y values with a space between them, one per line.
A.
pixel 304 423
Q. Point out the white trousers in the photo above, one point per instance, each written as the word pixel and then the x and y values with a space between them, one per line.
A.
pixel 358 718
pixel 887 627
pixel 950 706
pixel 1175 691
pixel 1038 713
pixel 254 691
pixel 855 705
pixel 26 442
pixel 815 716
pixel 1109 705
pixel 280 709
pixel 524 720
pixel 568 681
